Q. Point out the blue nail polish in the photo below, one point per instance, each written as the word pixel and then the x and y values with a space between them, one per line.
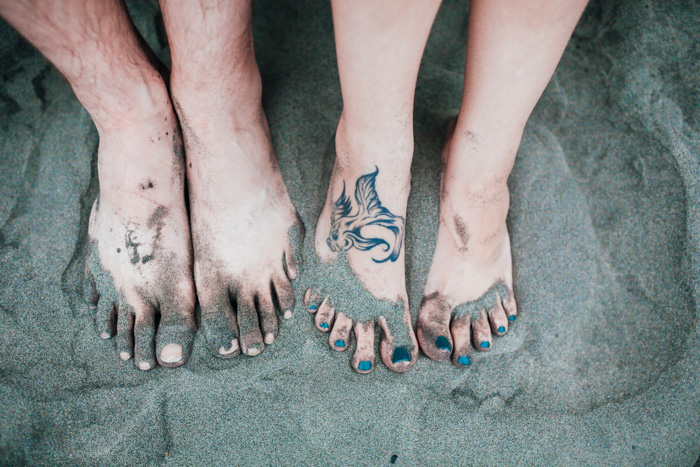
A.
pixel 442 343
pixel 312 307
pixel 502 329
pixel 464 360
pixel 324 325
pixel 400 355
pixel 485 345
pixel 340 343
pixel 511 318
pixel 365 365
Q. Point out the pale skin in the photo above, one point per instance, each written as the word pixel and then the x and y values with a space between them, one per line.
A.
pixel 143 268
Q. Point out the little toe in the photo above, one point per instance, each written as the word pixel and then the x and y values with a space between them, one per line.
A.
pixel 105 317
pixel 144 336
pixel 125 331
pixel 324 316
pixel 481 332
pixel 90 289
pixel 312 300
pixel 363 358
pixel 433 328
pixel 176 329
pixel 398 347
pixel 290 264
pixel 268 318
pixel 219 324
pixel 510 306
pixel 249 325
pixel 285 296
pixel 461 336
pixel 498 319
pixel 339 338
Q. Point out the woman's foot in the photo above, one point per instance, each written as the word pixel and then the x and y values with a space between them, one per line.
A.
pixel 138 269
pixel 359 240
pixel 468 296
pixel 245 230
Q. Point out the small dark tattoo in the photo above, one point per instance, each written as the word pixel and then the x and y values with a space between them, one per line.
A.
pixel 346 225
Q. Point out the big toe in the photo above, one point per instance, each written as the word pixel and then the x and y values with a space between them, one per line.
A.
pixel 176 332
pixel 433 328
pixel 218 324
pixel 399 347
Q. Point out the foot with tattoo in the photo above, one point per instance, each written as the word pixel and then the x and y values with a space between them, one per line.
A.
pixel 138 269
pixel 359 239
pixel 468 296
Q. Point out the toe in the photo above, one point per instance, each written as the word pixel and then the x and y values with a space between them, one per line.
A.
pixel 398 347
pixel 268 317
pixel 177 327
pixel 125 331
pixel 461 336
pixel 510 306
pixel 105 317
pixel 481 332
pixel 249 325
pixel 219 323
pixel 285 296
pixel 363 358
pixel 324 316
pixel 498 319
pixel 290 265
pixel 312 300
pixel 90 289
pixel 339 338
pixel 433 328
pixel 144 337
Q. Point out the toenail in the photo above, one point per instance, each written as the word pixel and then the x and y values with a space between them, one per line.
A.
pixel 313 307
pixel 485 345
pixel 288 314
pixel 253 351
pixel 511 318
pixel 171 353
pixel 400 355
pixel 340 343
pixel 464 360
pixel 502 329
pixel 105 335
pixel 269 338
pixel 233 348
pixel 124 355
pixel 144 366
pixel 324 325
pixel 365 365
pixel 442 343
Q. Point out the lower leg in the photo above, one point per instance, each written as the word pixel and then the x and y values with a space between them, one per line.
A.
pixel 379 46
pixel 505 76
pixel 243 222
pixel 138 227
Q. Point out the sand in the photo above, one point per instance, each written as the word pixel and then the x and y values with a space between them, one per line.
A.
pixel 601 368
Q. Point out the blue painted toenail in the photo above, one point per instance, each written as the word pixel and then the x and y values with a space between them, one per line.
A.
pixel 400 355
pixel 365 365
pixel 502 329
pixel 485 345
pixel 442 343
pixel 340 343
pixel 511 318
pixel 312 307
pixel 324 325
pixel 464 360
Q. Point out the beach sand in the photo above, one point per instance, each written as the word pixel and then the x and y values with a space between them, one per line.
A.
pixel 602 366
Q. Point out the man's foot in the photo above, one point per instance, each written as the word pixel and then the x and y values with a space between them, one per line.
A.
pixel 138 270
pixel 359 239
pixel 245 230
pixel 469 292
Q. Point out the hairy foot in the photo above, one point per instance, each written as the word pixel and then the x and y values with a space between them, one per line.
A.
pixel 359 240
pixel 138 269
pixel 245 230
pixel 469 293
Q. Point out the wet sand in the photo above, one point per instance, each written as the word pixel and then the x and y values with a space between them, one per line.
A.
pixel 602 366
